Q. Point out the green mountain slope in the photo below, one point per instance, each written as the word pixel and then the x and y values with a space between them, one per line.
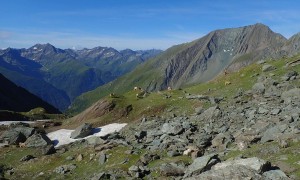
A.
pixel 195 62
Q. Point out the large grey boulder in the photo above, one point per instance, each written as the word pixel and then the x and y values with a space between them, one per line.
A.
pixel 258 88
pixel 172 129
pixel 26 131
pixel 13 137
pixel 82 131
pixel 273 133
pixel 275 174
pixel 254 163
pixel 292 93
pixel 38 140
pixel 228 173
pixel 201 164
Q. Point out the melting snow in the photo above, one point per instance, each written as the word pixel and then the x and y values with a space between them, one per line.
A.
pixel 62 136
pixel 35 48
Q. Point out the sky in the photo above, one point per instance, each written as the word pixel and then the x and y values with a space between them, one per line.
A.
pixel 135 24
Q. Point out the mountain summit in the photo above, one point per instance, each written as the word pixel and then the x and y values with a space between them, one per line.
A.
pixel 198 61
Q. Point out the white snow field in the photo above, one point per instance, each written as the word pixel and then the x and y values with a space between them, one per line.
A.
pixel 62 136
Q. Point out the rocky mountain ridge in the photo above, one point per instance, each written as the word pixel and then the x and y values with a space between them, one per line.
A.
pixel 58 76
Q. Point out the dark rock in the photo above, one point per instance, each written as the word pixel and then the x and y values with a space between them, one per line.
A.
pixel 47 150
pixel 171 170
pixel 140 135
pixel 26 158
pixel 38 140
pixel 13 137
pixel 138 171
pixel 65 168
pixel 201 164
pixel 289 76
pixel 82 131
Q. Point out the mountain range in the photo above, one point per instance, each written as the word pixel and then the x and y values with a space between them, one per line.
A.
pixel 198 61
pixel 58 76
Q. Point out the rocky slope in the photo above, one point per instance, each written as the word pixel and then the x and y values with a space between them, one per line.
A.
pixel 58 76
pixel 14 98
pixel 246 129
pixel 199 61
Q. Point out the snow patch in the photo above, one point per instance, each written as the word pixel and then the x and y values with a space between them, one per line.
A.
pixel 62 136
pixel 6 123
pixel 35 48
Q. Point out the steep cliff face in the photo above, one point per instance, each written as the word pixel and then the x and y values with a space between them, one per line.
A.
pixel 208 56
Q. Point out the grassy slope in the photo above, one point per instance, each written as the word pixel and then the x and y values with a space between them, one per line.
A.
pixel 142 76
pixel 156 104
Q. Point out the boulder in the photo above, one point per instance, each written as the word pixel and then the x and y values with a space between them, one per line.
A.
pixel 65 168
pixel 38 140
pixel 102 158
pixel 82 131
pixel 289 76
pixel 13 137
pixel 292 93
pixel 94 140
pixel 201 164
pixel 221 140
pixel 171 170
pixel 48 149
pixel 26 131
pixel 172 129
pixel 254 163
pixel 272 133
pixel 267 67
pixel 228 173
pixel 258 88
pixel 275 174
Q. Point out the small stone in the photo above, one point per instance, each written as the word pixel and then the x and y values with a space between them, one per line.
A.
pixel 79 158
pixel 102 158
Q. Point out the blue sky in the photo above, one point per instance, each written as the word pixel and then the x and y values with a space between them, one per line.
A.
pixel 135 24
